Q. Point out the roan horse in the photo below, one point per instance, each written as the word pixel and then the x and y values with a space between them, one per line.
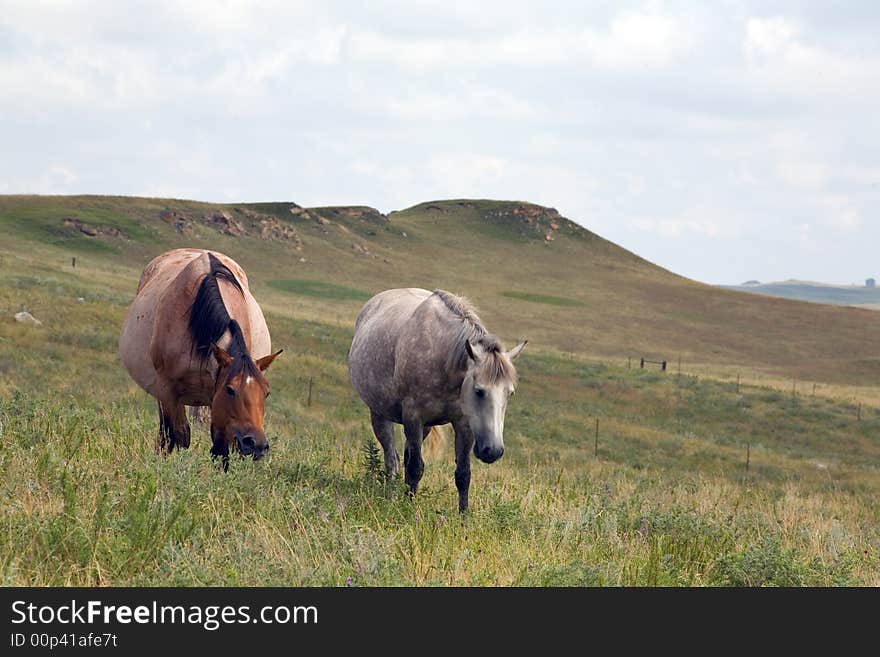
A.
pixel 188 340
pixel 423 359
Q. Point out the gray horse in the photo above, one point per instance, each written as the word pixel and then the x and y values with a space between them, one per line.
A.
pixel 422 359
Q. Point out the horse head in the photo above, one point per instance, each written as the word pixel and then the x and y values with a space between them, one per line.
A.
pixel 488 384
pixel 238 404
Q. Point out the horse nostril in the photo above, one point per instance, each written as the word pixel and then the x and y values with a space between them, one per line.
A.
pixel 248 443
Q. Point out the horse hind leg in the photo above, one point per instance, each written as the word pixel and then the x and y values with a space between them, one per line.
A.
pixel 166 440
pixel 384 431
pixel 413 464
pixel 200 414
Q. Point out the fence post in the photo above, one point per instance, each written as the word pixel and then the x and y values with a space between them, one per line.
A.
pixel 309 403
pixel 748 455
pixel 859 417
pixel 663 364
pixel 73 262
pixel 596 448
pixel 642 364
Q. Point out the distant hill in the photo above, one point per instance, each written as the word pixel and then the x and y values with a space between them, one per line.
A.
pixel 841 295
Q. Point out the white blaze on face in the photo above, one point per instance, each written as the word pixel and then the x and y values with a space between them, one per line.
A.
pixel 498 397
pixel 486 406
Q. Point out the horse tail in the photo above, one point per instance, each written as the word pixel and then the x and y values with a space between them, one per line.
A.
pixel 433 442
pixel 208 317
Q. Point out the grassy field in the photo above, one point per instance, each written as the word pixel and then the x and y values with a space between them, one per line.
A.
pixel 664 496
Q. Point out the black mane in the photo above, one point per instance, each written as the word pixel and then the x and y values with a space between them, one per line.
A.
pixel 209 319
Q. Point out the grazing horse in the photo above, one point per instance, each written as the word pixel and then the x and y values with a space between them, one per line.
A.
pixel 422 359
pixel 189 339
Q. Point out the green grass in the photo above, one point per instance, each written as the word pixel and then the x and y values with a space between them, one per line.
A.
pixel 541 298
pixel 319 289
pixel 663 498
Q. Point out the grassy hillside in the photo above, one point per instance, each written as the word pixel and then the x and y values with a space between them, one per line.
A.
pixel 664 496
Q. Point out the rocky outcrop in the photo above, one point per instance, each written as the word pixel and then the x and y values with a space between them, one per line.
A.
pixel 308 215
pixel 359 213
pixel 93 231
pixel 24 317
pixel 180 222
pixel 272 229
pixel 223 223
pixel 543 223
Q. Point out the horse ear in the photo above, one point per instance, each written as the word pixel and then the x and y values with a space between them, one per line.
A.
pixel 513 353
pixel 220 354
pixel 264 362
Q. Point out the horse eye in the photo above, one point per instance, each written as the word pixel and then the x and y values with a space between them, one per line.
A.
pixel 267 393
pixel 480 392
pixel 230 391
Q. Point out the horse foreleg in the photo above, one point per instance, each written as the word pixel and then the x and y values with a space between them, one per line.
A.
pixel 220 448
pixel 412 454
pixel 464 443
pixel 384 431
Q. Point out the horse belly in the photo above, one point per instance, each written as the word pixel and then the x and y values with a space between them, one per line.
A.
pixel 371 369
pixel 371 358
pixel 134 344
pixel 372 379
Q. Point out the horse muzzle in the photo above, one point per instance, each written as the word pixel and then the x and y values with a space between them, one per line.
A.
pixel 488 453
pixel 251 445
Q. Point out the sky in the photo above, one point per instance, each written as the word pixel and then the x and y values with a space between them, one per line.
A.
pixel 725 141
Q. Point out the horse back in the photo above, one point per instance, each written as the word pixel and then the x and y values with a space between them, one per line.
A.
pixel 155 345
pixel 371 359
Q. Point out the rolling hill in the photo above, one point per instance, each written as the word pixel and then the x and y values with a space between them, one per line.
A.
pixel 532 273
pixel 843 295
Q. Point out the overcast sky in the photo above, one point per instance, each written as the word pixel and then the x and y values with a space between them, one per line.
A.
pixel 725 141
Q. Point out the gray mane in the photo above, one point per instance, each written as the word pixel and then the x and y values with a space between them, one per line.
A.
pixel 496 365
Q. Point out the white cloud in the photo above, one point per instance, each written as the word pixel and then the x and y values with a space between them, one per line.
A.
pixel 769 38
pixel 458 104
pixel 633 40
pixel 675 227
pixel 802 173
pixel 782 61
pixel 838 212
pixel 468 172
pixel 55 179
